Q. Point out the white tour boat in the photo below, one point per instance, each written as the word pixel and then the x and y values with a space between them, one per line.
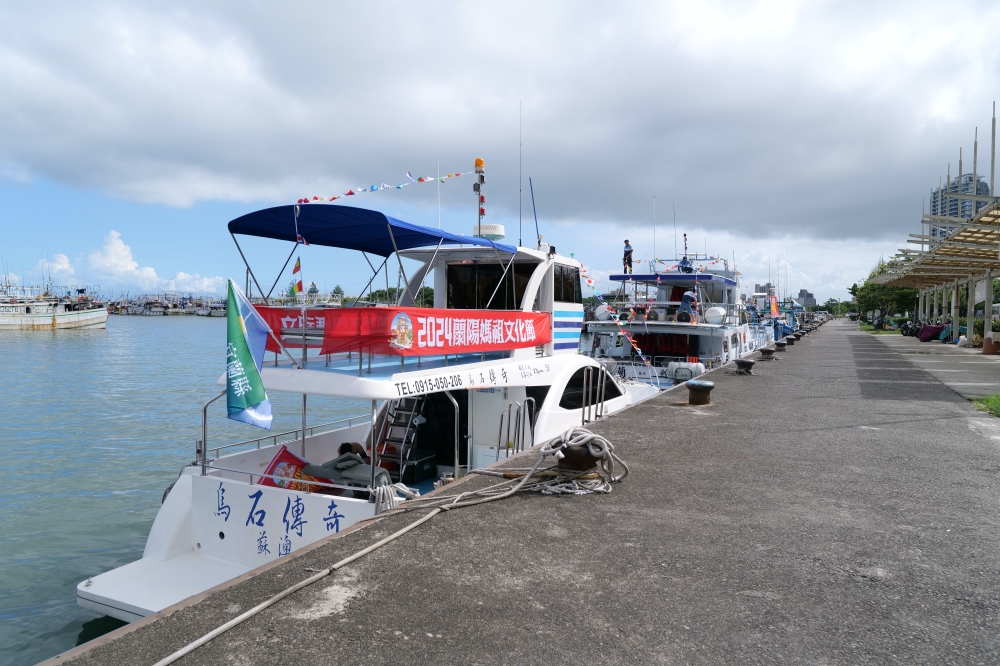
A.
pixel 42 308
pixel 493 368
pixel 674 322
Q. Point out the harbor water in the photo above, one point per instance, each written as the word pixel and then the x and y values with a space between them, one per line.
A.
pixel 96 424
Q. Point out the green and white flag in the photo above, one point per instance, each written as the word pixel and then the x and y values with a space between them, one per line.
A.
pixel 247 337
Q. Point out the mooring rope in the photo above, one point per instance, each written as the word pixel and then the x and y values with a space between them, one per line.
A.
pixel 560 482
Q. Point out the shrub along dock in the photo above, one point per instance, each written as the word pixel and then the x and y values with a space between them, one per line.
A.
pixel 839 505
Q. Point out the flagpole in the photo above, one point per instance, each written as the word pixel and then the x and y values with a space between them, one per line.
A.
pixel 276 339
pixel 280 344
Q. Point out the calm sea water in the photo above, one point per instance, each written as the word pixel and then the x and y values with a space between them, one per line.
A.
pixel 96 424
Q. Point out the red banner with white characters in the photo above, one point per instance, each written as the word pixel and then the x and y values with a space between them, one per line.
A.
pixel 410 331
pixel 283 318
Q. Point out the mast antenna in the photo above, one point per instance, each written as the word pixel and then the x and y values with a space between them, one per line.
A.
pixel 674 207
pixel 535 212
pixel 519 154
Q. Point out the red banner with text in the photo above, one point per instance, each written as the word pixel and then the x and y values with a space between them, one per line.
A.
pixel 407 331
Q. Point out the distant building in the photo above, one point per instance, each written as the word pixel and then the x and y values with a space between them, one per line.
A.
pixel 942 204
pixel 806 299
pixel 763 288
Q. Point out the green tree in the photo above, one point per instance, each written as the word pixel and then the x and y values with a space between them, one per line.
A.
pixel 339 291
pixel 887 299
pixel 424 296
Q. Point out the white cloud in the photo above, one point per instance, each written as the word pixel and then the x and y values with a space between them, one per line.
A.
pixel 59 267
pixel 834 118
pixel 114 262
pixel 194 283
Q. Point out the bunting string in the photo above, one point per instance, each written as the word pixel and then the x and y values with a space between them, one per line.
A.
pixel 384 186
pixel 616 317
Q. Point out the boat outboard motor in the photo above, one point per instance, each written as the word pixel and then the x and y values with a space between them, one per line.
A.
pixel 348 469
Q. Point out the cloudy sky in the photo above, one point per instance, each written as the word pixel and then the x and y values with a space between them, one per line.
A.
pixel 800 135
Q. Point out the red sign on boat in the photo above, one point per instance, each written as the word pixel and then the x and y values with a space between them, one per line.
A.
pixel 410 331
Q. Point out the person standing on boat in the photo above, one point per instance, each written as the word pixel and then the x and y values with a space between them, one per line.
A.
pixel 627 259
pixel 686 313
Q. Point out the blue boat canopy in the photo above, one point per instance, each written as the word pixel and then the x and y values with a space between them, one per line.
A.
pixel 349 228
pixel 673 278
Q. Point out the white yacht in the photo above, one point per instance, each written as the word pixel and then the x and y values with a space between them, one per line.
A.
pixel 674 321
pixel 493 368
pixel 51 307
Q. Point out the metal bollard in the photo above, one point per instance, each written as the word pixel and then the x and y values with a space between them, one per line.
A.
pixel 699 392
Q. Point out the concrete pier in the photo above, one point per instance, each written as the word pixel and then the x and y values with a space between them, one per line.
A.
pixel 838 506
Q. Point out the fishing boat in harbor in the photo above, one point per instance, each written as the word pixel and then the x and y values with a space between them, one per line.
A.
pixel 675 320
pixel 491 369
pixel 50 307
pixel 211 309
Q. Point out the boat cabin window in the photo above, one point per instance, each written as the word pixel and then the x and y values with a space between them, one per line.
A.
pixel 566 280
pixel 538 393
pixel 470 285
pixel 572 397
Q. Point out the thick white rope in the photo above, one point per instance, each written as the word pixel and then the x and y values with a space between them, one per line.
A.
pixel 387 497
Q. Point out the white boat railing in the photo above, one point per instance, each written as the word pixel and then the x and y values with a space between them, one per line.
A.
pixel 639 369
pixel 296 434
pixel 285 479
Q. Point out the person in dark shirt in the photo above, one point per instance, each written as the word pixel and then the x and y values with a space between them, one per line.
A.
pixel 627 259
pixel 686 312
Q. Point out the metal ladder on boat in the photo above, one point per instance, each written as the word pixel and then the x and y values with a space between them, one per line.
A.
pixel 514 419
pixel 398 433
pixel 594 382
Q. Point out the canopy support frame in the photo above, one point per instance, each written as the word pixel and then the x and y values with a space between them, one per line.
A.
pixel 375 275
pixel 247 264
pixel 282 271
pixel 399 260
